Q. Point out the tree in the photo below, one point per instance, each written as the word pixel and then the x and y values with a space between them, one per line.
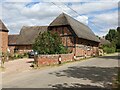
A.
pixel 118 38
pixel 49 43
pixel 112 35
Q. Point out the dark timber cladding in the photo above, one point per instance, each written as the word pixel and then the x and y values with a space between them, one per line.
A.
pixel 76 36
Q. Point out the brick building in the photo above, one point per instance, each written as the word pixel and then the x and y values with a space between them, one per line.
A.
pixel 12 39
pixel 3 37
pixel 76 36
pixel 27 37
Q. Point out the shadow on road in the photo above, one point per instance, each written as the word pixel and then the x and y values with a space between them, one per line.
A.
pixel 95 74
pixel 73 85
pixel 110 57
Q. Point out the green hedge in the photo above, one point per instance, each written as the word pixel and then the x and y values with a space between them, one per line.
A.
pixel 118 50
pixel 109 50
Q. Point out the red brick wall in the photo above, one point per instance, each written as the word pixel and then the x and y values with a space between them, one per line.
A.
pixel 3 41
pixel 86 47
pixel 53 59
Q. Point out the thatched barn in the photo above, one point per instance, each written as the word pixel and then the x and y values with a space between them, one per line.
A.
pixel 76 36
pixel 27 37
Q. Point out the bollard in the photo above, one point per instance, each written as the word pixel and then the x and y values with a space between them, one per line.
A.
pixel 59 59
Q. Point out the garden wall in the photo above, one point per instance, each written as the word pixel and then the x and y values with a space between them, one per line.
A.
pixel 53 59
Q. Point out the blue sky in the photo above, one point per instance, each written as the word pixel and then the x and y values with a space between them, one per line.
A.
pixel 99 15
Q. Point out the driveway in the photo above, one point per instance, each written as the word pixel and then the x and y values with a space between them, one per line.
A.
pixel 90 73
pixel 17 66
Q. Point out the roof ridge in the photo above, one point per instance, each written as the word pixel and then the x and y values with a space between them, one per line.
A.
pixel 13 34
pixel 35 26
pixel 76 20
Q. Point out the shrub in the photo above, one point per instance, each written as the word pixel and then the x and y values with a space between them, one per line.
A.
pixel 25 55
pixel 16 56
pixel 109 48
pixel 20 56
pixel 118 50
pixel 49 43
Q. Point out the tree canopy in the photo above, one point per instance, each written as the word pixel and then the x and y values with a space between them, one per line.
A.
pixel 114 37
pixel 118 39
pixel 49 43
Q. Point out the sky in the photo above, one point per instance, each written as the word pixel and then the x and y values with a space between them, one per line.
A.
pixel 99 15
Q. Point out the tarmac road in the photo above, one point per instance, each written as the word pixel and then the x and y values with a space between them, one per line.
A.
pixel 90 73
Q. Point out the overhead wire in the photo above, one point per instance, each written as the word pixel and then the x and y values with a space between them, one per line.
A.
pixel 76 13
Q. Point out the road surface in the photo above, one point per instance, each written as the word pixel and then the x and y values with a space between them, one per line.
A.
pixel 90 73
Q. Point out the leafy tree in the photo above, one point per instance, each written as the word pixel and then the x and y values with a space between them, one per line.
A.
pixel 118 38
pixel 49 43
pixel 112 35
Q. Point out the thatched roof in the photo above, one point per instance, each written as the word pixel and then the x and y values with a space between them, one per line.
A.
pixel 81 30
pixel 28 34
pixel 12 39
pixel 103 41
pixel 3 27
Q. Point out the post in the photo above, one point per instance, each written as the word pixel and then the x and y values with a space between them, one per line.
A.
pixel 36 60
pixel 74 57
pixel 59 59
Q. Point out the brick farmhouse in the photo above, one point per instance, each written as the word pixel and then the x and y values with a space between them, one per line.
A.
pixel 3 37
pixel 76 36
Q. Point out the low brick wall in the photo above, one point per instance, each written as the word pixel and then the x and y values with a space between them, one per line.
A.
pixel 53 59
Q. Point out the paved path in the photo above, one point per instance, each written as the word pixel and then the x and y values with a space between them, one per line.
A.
pixel 94 72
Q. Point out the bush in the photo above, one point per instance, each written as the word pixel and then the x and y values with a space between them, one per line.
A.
pixel 118 50
pixel 20 56
pixel 16 56
pixel 25 55
pixel 49 43
pixel 109 50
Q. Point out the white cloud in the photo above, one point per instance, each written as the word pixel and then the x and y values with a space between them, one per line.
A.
pixel 91 7
pixel 16 15
pixel 104 31
pixel 41 10
pixel 108 19
pixel 83 19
